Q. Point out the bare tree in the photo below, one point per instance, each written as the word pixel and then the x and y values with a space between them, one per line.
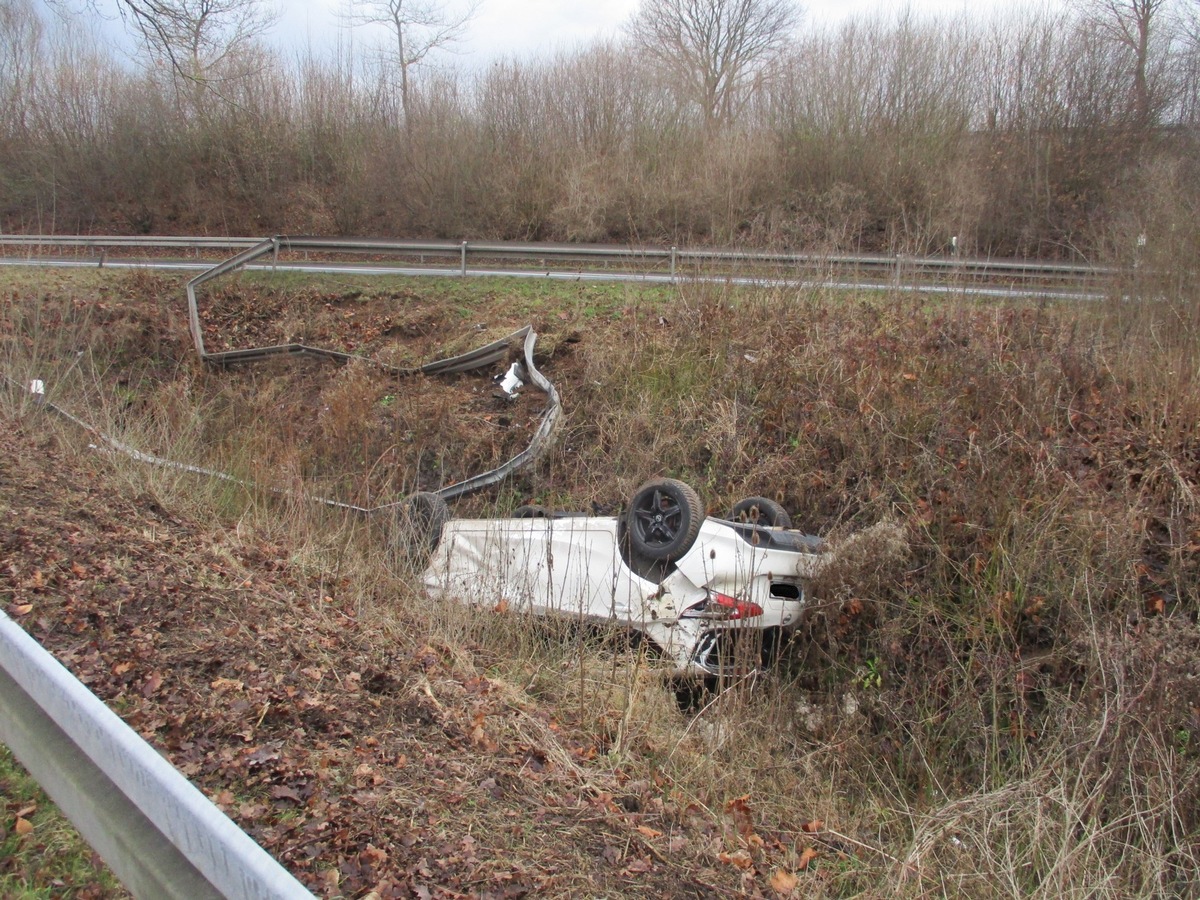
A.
pixel 194 37
pixel 714 48
pixel 20 48
pixel 418 28
pixel 1138 27
pixel 1190 67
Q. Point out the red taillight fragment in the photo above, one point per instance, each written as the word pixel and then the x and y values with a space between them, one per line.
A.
pixel 737 609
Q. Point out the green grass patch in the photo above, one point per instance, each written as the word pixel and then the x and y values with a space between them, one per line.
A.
pixel 42 856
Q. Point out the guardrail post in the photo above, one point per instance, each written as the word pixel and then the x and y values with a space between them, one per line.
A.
pixel 674 254
pixel 463 270
pixel 274 254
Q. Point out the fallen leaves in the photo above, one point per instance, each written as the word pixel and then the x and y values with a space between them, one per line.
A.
pixel 479 736
pixel 783 881
pixel 739 859
pixel 283 792
pixel 639 866
pixel 152 684
pixel 739 810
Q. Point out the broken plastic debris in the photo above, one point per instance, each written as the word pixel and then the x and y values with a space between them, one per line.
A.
pixel 510 382
pixel 37 387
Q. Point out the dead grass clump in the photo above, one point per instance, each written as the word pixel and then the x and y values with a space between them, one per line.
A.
pixel 862 562
pixel 1101 803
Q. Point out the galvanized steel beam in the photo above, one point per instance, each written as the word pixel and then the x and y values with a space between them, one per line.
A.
pixel 156 831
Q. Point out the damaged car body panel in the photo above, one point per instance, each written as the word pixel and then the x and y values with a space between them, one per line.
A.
pixel 734 579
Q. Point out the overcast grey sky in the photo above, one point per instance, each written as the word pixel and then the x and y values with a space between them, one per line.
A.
pixel 526 27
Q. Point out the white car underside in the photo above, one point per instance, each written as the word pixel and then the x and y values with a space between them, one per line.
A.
pixel 733 578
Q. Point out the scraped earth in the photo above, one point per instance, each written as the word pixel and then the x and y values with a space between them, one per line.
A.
pixel 407 773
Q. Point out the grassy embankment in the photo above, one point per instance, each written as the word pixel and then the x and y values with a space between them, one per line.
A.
pixel 1014 710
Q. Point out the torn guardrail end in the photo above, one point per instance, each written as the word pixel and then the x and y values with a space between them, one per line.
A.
pixel 480 357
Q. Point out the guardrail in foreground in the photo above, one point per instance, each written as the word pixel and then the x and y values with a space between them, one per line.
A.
pixel 155 830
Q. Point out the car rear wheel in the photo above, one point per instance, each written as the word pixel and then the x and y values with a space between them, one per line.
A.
pixel 663 519
pixel 761 511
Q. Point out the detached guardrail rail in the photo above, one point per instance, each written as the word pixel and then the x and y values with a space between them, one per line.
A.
pixel 155 830
pixel 478 358
pixel 663 264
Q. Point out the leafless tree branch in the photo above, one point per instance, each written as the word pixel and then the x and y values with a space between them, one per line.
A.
pixel 714 48
pixel 418 28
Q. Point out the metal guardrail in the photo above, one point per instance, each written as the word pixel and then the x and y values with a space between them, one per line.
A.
pixel 475 359
pixel 93 242
pixel 887 268
pixel 155 830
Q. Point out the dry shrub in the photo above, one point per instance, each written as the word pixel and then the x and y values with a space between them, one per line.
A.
pixel 862 562
pixel 344 411
pixel 1101 804
pixel 891 134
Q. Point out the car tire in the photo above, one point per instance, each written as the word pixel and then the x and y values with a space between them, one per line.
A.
pixel 531 511
pixel 422 517
pixel 761 511
pixel 663 520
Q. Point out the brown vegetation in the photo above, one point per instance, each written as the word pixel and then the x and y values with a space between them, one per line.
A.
pixel 1032 135
pixel 1011 712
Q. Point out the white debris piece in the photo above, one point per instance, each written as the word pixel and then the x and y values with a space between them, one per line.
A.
pixel 510 382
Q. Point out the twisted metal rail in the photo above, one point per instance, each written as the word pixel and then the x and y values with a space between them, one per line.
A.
pixel 475 359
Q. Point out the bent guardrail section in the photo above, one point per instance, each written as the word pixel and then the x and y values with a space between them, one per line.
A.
pixel 155 830
pixel 474 359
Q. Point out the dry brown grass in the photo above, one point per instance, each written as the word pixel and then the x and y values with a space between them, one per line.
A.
pixel 996 696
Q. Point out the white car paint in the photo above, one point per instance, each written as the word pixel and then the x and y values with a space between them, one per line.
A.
pixel 573 566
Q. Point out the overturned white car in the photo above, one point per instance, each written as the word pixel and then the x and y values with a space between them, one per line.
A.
pixel 715 596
